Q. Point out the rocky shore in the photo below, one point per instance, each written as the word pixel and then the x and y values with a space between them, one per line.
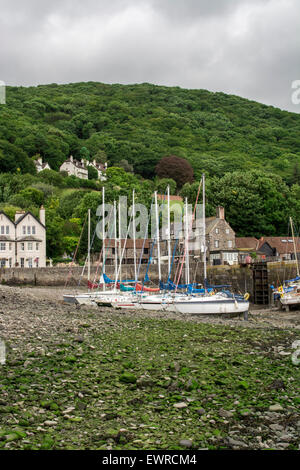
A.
pixel 91 378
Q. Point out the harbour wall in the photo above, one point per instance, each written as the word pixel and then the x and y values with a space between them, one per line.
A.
pixel 240 278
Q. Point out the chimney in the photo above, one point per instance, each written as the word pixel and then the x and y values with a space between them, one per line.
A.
pixel 220 212
pixel 42 215
pixel 18 214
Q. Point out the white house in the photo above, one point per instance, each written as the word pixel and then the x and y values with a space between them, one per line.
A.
pixel 75 168
pixel 23 242
pixel 101 169
pixel 40 166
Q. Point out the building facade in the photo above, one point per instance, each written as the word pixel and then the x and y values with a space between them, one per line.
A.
pixel 23 242
pixel 75 168
pixel 40 166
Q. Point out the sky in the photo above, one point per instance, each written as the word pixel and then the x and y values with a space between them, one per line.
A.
pixel 249 48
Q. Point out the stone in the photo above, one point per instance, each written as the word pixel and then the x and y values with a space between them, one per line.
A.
pixel 225 413
pixel 234 443
pixel 186 443
pixel 201 412
pixel 276 427
pixel 276 407
pixel 180 405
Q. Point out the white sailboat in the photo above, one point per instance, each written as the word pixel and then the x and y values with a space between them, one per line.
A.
pixel 291 293
pixel 210 303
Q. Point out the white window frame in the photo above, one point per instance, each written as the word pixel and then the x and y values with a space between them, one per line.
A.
pixel 217 244
pixel 33 231
pixel 30 246
pixel 2 246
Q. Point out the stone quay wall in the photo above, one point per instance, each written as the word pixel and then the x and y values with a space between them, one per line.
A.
pixel 240 278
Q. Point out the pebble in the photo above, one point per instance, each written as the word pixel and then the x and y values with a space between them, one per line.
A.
pixel 180 405
pixel 276 407
pixel 201 411
pixel 276 427
pixel 186 443
pixel 50 423
pixel 225 413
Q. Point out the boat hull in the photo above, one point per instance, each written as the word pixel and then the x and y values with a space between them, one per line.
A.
pixel 209 306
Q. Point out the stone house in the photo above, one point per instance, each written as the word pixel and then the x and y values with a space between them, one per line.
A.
pixel 142 248
pixel 23 241
pixel 101 169
pixel 75 168
pixel 40 166
pixel 220 239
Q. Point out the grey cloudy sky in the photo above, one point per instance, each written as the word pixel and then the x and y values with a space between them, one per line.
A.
pixel 250 48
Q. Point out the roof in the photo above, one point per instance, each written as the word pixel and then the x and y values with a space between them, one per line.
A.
pixel 29 213
pixel 139 243
pixel 246 243
pixel 283 245
pixel 163 197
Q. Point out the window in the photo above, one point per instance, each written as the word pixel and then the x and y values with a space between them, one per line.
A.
pixel 217 230
pixel 22 246
pixel 2 263
pixel 10 262
pixel 2 229
pixel 24 230
pixel 10 246
pixel 229 243
pixel 216 243
pixel 227 231
pixel 37 247
pixel 7 229
pixel 28 230
pixel 29 246
pixel 22 262
pixel 2 246
pixel 29 262
pixel 33 230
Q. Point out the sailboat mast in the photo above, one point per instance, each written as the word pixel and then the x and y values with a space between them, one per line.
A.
pixel 103 232
pixel 169 233
pixel 115 237
pixel 134 242
pixel 295 251
pixel 204 231
pixel 119 241
pixel 187 259
pixel 157 236
pixel 89 244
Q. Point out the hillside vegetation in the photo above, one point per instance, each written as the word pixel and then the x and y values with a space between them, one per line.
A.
pixel 216 132
pixel 249 152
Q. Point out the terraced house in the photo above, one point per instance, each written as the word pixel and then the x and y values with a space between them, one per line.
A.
pixel 23 241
